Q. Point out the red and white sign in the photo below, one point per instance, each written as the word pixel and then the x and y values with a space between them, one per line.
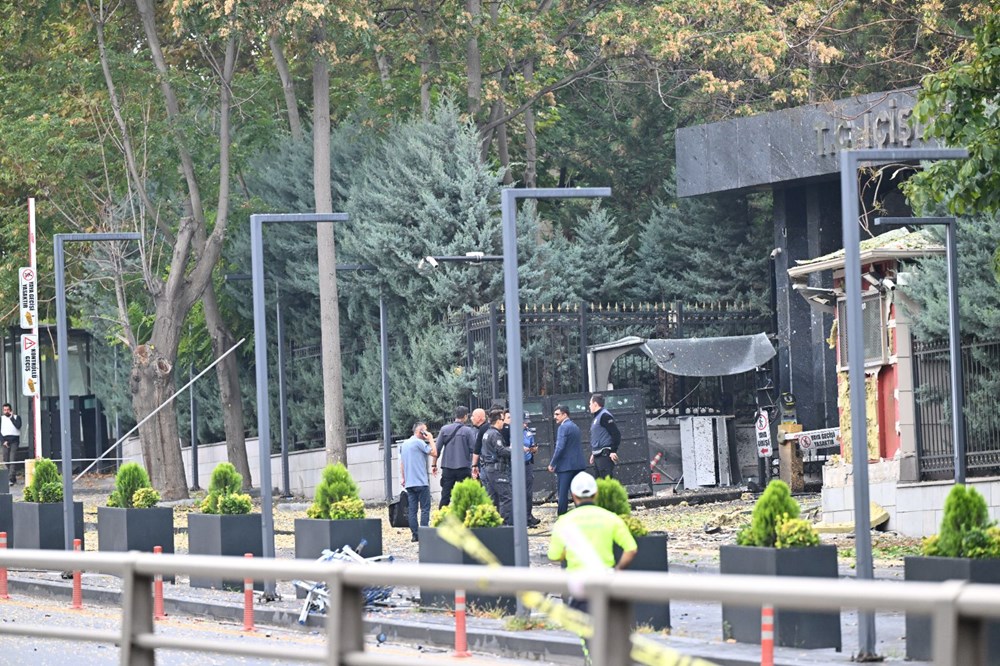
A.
pixel 29 365
pixel 763 429
pixel 28 298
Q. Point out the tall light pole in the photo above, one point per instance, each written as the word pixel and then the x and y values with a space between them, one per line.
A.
pixel 954 332
pixel 62 363
pixel 515 397
pixel 260 350
pixel 850 160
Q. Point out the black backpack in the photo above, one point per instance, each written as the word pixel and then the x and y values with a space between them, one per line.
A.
pixel 399 511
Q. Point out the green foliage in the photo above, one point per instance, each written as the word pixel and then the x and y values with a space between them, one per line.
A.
pixel 51 492
pixel 466 495
pixel 235 504
pixel 965 526
pixel 775 506
pixel 982 543
pixel 635 526
pixel 438 515
pixel 796 533
pixel 46 473
pixel 611 495
pixel 592 266
pixel 336 486
pixel 225 481
pixel 483 515
pixel 145 498
pixel 130 477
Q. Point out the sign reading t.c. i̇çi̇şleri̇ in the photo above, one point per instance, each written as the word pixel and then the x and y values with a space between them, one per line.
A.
pixel 28 300
pixel 29 365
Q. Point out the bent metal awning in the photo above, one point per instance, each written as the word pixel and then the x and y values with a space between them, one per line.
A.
pixel 688 357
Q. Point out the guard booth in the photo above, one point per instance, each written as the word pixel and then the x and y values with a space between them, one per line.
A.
pixel 629 411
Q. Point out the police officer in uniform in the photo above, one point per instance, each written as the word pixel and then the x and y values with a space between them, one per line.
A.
pixel 604 438
pixel 495 459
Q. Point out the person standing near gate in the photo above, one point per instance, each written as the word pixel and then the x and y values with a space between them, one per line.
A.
pixel 480 425
pixel 455 444
pixel 530 449
pixel 10 434
pixel 604 438
pixel 495 459
pixel 567 457
pixel 413 454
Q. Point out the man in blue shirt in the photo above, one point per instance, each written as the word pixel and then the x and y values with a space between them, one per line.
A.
pixel 530 449
pixel 567 456
pixel 413 476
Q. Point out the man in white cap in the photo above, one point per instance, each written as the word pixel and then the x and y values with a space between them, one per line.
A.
pixel 585 537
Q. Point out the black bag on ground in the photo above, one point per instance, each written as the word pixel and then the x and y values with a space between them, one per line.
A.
pixel 399 511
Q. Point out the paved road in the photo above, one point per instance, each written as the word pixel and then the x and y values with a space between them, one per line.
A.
pixel 24 650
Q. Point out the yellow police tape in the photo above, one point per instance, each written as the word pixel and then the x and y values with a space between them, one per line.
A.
pixel 644 650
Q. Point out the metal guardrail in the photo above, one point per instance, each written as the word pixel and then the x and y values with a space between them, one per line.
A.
pixel 958 610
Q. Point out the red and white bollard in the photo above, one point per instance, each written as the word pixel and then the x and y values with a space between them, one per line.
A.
pixel 461 641
pixel 3 570
pixel 767 636
pixel 158 613
pixel 248 601
pixel 77 587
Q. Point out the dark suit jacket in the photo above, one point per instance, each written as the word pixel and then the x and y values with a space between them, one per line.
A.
pixel 568 454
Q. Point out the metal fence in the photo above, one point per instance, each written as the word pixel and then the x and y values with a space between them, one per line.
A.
pixel 554 340
pixel 981 384
pixel 959 611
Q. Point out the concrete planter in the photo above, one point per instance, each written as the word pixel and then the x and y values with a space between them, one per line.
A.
pixel 122 530
pixel 217 534
pixel 435 550
pixel 797 629
pixel 939 569
pixel 5 481
pixel 313 536
pixel 652 556
pixel 40 525
pixel 7 517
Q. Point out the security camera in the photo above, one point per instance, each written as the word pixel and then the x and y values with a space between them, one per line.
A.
pixel 427 263
pixel 888 284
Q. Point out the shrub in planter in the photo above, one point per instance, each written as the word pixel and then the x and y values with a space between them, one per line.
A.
pixel 470 504
pixel 336 519
pixel 967 547
pixel 771 546
pixel 131 520
pixel 225 526
pixel 38 520
pixel 652 555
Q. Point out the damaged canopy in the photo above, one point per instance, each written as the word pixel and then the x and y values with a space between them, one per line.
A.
pixel 710 357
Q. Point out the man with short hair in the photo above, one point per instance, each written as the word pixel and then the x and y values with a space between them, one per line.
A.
pixel 586 536
pixel 481 425
pixel 10 435
pixel 530 449
pixel 413 454
pixel 455 444
pixel 604 438
pixel 495 459
pixel 567 457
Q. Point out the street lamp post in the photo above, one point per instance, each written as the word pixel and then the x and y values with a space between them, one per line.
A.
pixel 257 222
pixel 954 342
pixel 62 363
pixel 515 397
pixel 850 160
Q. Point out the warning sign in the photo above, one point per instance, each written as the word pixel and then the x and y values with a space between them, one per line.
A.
pixel 763 429
pixel 826 438
pixel 28 299
pixel 29 365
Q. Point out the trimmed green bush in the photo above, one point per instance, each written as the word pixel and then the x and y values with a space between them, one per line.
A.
pixel 51 492
pixel 225 481
pixel 611 495
pixel 775 506
pixel 483 515
pixel 46 473
pixel 796 533
pixel 130 477
pixel 336 496
pixel 438 515
pixel 466 495
pixel 235 504
pixel 966 528
pixel 145 498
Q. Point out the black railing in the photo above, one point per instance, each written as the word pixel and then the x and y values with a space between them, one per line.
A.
pixel 554 340
pixel 932 386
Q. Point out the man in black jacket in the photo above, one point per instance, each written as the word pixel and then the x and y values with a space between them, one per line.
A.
pixel 10 435
pixel 495 459
pixel 455 443
pixel 604 438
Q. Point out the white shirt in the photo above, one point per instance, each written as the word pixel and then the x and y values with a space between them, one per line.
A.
pixel 7 428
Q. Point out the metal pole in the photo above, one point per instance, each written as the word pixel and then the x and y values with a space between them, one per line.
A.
pixel 849 202
pixel 494 370
pixel 383 331
pixel 194 432
pixel 62 363
pixel 954 332
pixel 260 351
pixel 512 305
pixel 286 485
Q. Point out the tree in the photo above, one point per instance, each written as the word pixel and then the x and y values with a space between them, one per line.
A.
pixel 595 260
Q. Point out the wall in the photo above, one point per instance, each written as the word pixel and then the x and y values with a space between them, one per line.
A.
pixel 364 460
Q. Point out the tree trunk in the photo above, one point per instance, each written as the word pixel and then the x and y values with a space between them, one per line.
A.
pixel 329 309
pixel 473 60
pixel 530 142
pixel 287 87
pixel 152 382
pixel 228 375
pixel 503 149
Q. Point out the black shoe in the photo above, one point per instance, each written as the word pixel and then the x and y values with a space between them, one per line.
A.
pixel 534 522
pixel 414 539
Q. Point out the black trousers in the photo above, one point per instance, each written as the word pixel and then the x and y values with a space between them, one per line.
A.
pixel 449 477
pixel 10 456
pixel 604 466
